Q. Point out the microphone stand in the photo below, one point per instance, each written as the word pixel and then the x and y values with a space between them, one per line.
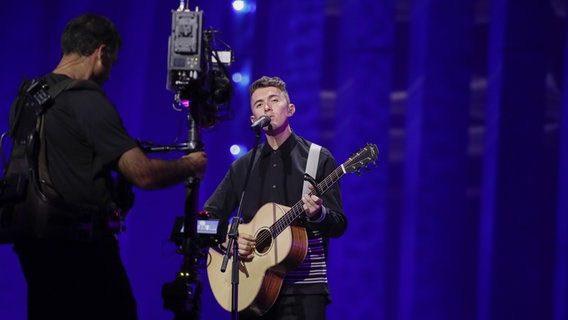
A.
pixel 233 235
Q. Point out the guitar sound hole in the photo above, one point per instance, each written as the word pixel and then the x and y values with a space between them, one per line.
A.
pixel 263 240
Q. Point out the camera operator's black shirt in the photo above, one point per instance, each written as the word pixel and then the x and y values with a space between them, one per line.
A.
pixel 85 137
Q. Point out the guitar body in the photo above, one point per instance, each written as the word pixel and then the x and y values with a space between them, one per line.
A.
pixel 261 278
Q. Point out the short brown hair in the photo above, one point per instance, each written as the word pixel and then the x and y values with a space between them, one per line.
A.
pixel 270 82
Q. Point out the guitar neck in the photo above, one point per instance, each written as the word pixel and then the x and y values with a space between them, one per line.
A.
pixel 297 209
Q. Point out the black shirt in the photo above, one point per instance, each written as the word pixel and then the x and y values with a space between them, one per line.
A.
pixel 84 138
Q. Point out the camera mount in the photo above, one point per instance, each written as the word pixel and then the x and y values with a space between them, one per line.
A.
pixel 198 76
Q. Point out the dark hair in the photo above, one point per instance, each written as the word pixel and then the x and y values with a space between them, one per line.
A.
pixel 270 82
pixel 87 32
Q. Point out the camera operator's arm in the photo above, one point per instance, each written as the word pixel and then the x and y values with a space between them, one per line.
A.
pixel 148 173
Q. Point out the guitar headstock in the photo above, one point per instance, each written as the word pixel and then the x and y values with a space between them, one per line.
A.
pixel 362 158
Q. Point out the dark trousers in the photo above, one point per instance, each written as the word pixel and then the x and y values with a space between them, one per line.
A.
pixel 296 307
pixel 76 280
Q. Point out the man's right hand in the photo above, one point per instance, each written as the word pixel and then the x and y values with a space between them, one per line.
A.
pixel 147 173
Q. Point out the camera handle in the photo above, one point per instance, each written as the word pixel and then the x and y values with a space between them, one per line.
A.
pixel 233 234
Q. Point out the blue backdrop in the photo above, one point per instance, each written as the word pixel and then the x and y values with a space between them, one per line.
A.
pixel 465 215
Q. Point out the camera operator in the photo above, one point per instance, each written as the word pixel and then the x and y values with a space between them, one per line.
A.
pixel 85 141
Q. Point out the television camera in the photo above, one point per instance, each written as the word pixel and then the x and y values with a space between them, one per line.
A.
pixel 197 68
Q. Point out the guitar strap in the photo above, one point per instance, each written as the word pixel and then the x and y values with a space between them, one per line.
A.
pixel 312 165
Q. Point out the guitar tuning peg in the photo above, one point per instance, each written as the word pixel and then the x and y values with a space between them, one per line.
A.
pixel 359 172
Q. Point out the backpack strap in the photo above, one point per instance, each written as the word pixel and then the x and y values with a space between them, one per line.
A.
pixel 73 84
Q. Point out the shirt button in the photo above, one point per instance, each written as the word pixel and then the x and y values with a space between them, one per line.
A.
pixel 273 186
pixel 274 165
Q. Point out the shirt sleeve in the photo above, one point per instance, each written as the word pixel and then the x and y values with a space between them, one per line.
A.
pixel 102 126
pixel 224 200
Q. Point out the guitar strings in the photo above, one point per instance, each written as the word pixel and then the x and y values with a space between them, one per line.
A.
pixel 297 209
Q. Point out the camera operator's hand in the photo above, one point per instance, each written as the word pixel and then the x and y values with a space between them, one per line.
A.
pixel 198 163
pixel 147 173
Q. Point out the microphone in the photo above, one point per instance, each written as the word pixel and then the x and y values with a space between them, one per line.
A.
pixel 260 123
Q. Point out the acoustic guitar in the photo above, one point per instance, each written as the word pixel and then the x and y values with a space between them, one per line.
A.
pixel 280 246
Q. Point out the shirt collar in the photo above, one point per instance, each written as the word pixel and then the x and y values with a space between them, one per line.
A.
pixel 286 147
